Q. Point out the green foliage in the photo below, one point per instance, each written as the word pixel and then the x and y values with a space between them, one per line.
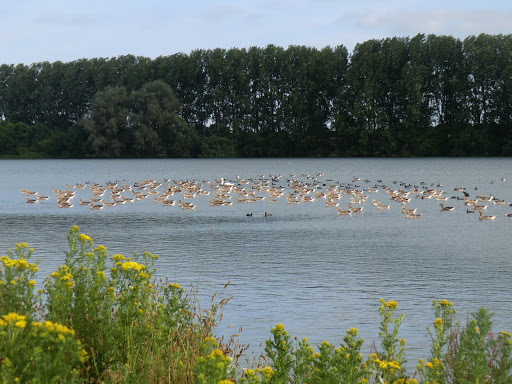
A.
pixel 104 314
pixel 422 96
pixel 142 123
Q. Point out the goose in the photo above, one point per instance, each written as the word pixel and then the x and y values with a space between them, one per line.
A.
pixel 382 206
pixel 486 217
pixel 484 198
pixel 355 209
pixel 186 205
pixel 413 215
pixel 267 214
pixel 508 215
pixel 468 211
pixel 443 208
pixel 408 211
pixel 344 212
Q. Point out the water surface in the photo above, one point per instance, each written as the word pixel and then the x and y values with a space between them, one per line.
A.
pixel 314 271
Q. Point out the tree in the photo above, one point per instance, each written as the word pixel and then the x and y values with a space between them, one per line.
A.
pixel 107 126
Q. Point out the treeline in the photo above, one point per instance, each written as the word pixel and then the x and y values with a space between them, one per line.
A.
pixel 421 96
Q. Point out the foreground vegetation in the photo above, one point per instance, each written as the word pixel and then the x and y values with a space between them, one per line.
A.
pixel 426 95
pixel 106 319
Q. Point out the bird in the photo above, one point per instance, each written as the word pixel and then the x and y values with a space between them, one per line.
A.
pixel 486 217
pixel 249 214
pixel 408 211
pixel 443 208
pixel 344 212
pixel 267 214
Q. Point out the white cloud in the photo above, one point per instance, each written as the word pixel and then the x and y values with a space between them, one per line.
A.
pixel 457 22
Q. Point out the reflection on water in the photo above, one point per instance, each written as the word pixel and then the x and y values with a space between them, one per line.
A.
pixel 304 266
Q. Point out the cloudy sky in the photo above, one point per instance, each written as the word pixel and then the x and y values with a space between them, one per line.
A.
pixel 51 30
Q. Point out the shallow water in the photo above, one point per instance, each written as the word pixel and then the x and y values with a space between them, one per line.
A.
pixel 314 271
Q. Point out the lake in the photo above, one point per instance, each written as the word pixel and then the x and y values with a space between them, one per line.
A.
pixel 303 265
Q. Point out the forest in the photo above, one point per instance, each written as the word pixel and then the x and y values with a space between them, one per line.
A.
pixel 426 95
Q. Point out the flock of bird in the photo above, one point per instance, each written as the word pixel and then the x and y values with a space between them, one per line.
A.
pixel 295 190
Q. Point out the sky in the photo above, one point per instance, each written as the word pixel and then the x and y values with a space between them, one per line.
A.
pixel 66 30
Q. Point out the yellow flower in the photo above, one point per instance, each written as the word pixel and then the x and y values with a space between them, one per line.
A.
pixel 144 275
pixel 67 277
pixel 279 327
pixel 175 285
pixel 84 237
pixel 267 371
pixel 13 317
pixel 31 283
pixel 438 322
pixel 132 265
pixel 20 324
pixel 446 303
pixel 429 365
pixel 352 331
pixel 225 382
pixel 389 304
